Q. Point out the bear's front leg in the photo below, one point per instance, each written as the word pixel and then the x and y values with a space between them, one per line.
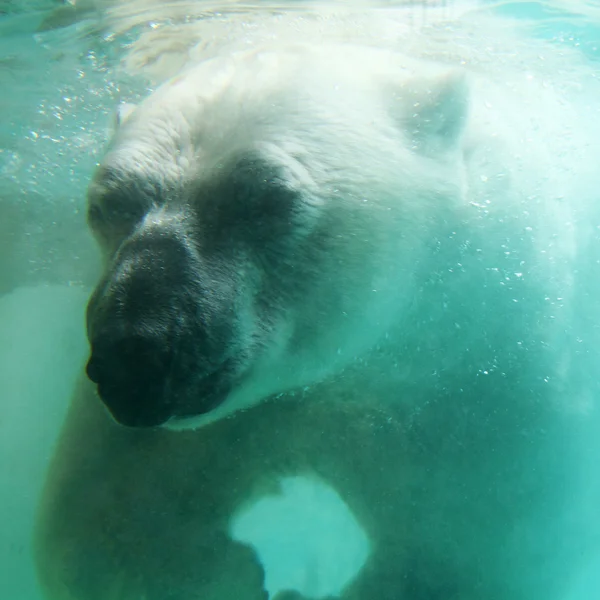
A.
pixel 128 514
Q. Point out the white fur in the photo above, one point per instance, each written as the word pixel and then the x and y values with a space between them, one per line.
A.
pixel 516 148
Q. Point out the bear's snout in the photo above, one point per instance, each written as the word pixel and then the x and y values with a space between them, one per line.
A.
pixel 131 375
pixel 137 321
pixel 160 339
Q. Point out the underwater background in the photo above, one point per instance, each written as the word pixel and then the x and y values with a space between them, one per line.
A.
pixel 60 80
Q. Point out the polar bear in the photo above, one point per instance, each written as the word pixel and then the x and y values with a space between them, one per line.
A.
pixel 335 261
pixel 265 192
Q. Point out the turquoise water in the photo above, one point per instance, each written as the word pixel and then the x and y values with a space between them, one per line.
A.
pixel 60 80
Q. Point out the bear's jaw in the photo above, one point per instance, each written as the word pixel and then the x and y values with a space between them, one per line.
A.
pixel 156 408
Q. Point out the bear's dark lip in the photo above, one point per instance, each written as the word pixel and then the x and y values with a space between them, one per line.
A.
pixel 207 393
pixel 137 419
pixel 194 400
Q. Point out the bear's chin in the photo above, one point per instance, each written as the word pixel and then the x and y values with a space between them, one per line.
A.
pixel 138 420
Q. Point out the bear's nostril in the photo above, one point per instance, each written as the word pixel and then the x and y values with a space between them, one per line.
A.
pixel 94 369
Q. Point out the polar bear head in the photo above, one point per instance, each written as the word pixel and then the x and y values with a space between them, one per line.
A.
pixel 262 219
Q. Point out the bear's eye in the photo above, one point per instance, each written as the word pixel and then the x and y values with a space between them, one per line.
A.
pixel 115 211
pixel 261 192
pixel 255 200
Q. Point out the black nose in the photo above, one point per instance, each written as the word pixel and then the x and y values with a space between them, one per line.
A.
pixel 132 376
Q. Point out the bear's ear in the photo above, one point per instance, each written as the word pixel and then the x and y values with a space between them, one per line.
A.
pixel 435 111
pixel 123 112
